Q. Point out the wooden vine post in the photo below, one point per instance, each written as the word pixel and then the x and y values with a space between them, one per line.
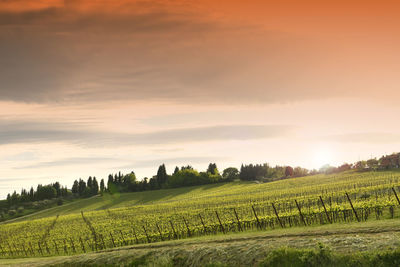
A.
pixel 112 239
pixel 187 226
pixel 237 218
pixel 277 216
pixel 40 249
pixel 147 236
pixel 82 245
pixel 173 229
pixel 65 247
pixel 395 194
pixel 255 214
pixel 122 237
pixel 55 246
pixel 202 222
pixel 326 212
pixel 159 231
pixel 102 241
pixel 73 245
pixel 301 214
pixel 134 233
pixel 23 247
pixel 354 210
pixel 30 245
pixel 220 223
pixel 47 247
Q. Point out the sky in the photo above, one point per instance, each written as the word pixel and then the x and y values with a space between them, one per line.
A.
pixel 97 87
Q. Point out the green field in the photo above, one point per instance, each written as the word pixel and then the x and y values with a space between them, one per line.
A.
pixel 206 212
pixel 349 244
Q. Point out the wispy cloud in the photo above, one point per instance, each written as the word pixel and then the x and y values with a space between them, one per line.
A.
pixel 28 132
pixel 84 51
pixel 367 137
pixel 171 161
pixel 67 162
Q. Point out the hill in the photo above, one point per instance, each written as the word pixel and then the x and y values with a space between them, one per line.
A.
pixel 352 244
pixel 239 191
pixel 132 219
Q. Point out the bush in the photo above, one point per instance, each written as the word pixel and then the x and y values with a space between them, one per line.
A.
pixel 60 202
pixel 12 212
pixel 20 209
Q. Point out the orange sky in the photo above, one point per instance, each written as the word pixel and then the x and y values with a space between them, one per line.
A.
pixel 92 87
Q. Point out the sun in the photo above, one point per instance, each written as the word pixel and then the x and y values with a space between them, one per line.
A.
pixel 322 155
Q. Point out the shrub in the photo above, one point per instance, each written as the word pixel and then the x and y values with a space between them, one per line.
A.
pixel 12 212
pixel 20 209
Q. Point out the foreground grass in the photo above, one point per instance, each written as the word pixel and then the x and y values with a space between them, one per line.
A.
pixel 373 243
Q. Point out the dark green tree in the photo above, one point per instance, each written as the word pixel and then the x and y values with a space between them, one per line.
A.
pixel 81 187
pixel 212 168
pixel 90 182
pixel 75 187
pixel 95 186
pixel 230 174
pixel 161 175
pixel 102 187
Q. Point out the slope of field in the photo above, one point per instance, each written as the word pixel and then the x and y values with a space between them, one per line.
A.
pixel 117 220
pixel 240 192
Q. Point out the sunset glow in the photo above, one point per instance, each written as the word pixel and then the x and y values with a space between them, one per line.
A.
pixel 97 87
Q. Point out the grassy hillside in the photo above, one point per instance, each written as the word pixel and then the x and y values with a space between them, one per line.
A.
pixel 352 244
pixel 118 220
pixel 240 192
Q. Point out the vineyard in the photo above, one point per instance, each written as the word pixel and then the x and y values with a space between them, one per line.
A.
pixel 223 209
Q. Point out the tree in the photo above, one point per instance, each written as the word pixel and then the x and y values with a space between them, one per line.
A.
pixel 75 187
pixel 46 192
pixel 110 181
pixel 153 184
pixel 212 168
pixel 344 167
pixel 185 177
pixel 188 167
pixel 102 188
pixel 81 187
pixel 32 194
pixel 176 170
pixel 373 164
pixel 128 181
pixel 57 187
pixel 360 165
pixel 95 186
pixel 289 171
pixel 90 182
pixel 161 175
pixel 230 174
pixel 253 172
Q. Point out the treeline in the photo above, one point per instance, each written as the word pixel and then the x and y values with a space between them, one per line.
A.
pixel 187 176
pixel 266 173
pixel 42 192
pixel 387 162
pixel 183 176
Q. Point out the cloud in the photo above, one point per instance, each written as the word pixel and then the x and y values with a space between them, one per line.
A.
pixel 132 165
pixel 88 51
pixel 70 53
pixel 67 162
pixel 28 132
pixel 171 161
pixel 368 138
